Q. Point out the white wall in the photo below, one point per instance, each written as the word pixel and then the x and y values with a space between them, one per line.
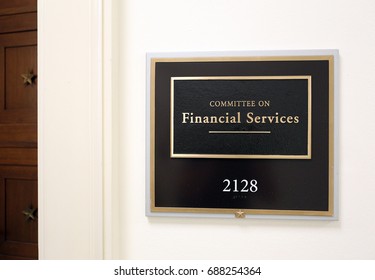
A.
pixel 228 25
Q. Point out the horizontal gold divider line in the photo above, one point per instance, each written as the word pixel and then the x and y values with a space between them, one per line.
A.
pixel 240 156
pixel 239 132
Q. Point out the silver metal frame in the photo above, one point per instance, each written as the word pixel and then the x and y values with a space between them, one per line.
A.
pixel 322 52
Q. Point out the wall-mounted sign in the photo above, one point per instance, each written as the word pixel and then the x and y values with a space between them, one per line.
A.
pixel 242 135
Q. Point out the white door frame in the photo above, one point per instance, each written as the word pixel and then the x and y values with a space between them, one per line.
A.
pixel 75 129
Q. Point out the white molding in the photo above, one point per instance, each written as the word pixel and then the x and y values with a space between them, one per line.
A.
pixel 96 145
pixel 110 197
pixel 70 209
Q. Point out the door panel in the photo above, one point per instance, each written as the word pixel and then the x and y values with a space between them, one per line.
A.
pixel 19 214
pixel 21 202
pixel 18 58
pixel 20 61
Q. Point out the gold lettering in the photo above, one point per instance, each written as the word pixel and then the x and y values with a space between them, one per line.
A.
pixel 213 119
pixel 185 117
pixel 250 117
pixel 276 119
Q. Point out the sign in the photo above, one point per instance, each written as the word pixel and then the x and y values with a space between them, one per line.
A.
pixel 242 136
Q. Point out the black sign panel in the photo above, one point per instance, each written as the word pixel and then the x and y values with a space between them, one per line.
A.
pixel 242 135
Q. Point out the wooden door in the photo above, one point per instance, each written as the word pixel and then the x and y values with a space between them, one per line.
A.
pixel 18 130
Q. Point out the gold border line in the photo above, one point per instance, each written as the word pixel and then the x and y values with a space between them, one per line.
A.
pixel 235 156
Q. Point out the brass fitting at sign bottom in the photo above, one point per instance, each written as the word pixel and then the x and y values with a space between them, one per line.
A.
pixel 240 214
